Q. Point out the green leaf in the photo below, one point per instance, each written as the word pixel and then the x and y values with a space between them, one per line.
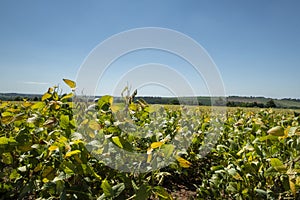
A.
pixel 107 189
pixel 64 121
pixel 278 165
pixel 235 174
pixel 117 141
pixel 261 192
pixel 268 137
pixel 142 193
pixel 14 175
pixel 7 158
pixel 47 171
pixel 168 150
pixel 276 131
pixel 105 101
pixel 4 142
pixel 162 193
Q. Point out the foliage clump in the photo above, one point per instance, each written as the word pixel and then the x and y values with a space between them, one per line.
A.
pixel 56 149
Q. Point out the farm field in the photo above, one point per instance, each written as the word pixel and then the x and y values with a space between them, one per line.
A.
pixel 54 149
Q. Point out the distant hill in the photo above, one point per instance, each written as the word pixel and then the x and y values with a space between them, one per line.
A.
pixel 282 103
pixel 236 101
pixel 19 97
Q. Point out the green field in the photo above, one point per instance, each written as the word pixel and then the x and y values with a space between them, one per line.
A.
pixel 54 149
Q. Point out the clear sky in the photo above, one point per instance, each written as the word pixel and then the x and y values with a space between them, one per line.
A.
pixel 255 44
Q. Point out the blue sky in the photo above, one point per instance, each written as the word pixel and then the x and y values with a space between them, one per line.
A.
pixel 255 44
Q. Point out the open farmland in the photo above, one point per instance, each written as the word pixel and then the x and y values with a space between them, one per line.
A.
pixel 54 149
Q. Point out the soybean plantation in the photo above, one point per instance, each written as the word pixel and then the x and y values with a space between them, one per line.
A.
pixel 58 149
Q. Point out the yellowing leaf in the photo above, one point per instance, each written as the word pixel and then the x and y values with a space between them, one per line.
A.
pixel 45 180
pixel 27 104
pixel 53 148
pixel 71 153
pixel 286 132
pixel 70 83
pixel 46 96
pixel 183 162
pixel 155 145
pixel 3 105
pixel 38 105
pixel 292 186
pixel 94 125
pixel 68 96
pixel 84 122
pixel 149 158
pixel 7 119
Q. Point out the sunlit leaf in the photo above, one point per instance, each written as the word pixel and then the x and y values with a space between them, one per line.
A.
pixel 53 148
pixel 107 189
pixel 68 96
pixel 117 141
pixel 38 105
pixel 71 153
pixel 278 165
pixel 3 105
pixel 46 96
pixel 183 162
pixel 104 102
pixel 70 83
pixel 276 131
pixel 155 145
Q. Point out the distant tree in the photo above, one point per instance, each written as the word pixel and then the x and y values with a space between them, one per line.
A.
pixel 174 102
pixel 35 99
pixel 230 104
pixel 271 104
pixel 17 98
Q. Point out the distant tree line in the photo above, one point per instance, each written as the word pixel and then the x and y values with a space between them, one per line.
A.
pixel 205 101
pixel 19 97
pixel 269 104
